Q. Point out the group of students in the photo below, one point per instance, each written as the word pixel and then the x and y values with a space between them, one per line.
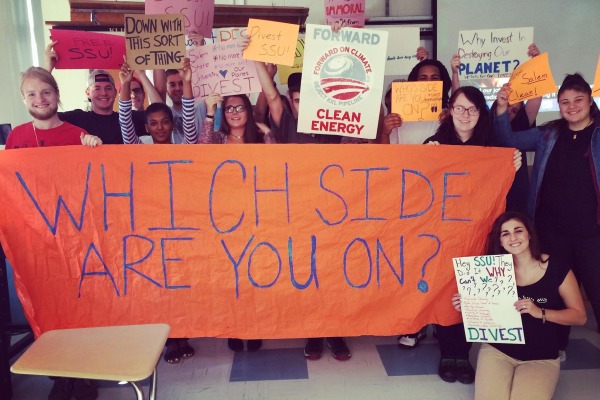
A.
pixel 562 200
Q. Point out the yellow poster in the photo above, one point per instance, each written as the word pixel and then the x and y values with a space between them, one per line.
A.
pixel 284 71
pixel 417 101
pixel 270 41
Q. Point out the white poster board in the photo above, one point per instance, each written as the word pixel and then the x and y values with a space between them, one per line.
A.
pixel 342 81
pixel 488 292
pixel 403 42
pixel 492 53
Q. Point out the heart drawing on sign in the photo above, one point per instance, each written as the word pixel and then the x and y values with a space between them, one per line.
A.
pixel 223 72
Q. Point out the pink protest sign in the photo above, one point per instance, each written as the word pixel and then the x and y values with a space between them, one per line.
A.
pixel 219 67
pixel 351 12
pixel 198 15
pixel 83 50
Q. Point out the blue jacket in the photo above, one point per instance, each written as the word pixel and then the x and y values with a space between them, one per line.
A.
pixel 542 141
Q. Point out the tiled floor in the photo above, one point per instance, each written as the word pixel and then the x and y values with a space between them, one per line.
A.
pixel 378 370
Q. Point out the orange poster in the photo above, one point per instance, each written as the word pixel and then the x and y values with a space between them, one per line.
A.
pixel 417 101
pixel 531 79
pixel 273 42
pixel 596 88
pixel 247 241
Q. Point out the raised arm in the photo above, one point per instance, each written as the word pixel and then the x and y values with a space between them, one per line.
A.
pixel 160 83
pixel 207 133
pixel 50 57
pixel 455 65
pixel 270 92
pixel 125 118
pixel 149 89
pixel 532 107
pixel 261 107
pixel 187 104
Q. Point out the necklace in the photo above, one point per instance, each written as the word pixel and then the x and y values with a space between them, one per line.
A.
pixel 236 136
pixel 575 134
pixel 35 134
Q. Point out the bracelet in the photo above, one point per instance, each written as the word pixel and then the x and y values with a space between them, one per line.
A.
pixel 210 116
pixel 543 315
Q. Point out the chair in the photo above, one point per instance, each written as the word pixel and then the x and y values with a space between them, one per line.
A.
pixel 113 353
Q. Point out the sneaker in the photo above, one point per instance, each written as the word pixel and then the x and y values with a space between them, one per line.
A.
pixel 254 344
pixel 84 389
pixel 61 389
pixel 236 345
pixel 447 369
pixel 562 356
pixel 338 347
pixel 313 348
pixel 464 372
pixel 411 341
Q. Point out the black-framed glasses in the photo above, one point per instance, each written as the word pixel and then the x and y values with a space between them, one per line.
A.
pixel 239 109
pixel 137 91
pixel 460 110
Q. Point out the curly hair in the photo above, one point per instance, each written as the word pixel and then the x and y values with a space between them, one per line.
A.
pixel 447 82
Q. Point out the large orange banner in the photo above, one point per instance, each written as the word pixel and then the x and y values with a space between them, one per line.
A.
pixel 249 241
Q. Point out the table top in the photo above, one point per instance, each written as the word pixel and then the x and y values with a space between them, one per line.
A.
pixel 114 353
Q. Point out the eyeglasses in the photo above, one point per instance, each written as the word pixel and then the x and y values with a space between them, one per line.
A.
pixel 460 110
pixel 239 109
pixel 137 91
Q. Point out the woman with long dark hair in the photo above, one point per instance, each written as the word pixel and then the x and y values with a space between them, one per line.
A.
pixel 467 123
pixel 564 192
pixel 548 297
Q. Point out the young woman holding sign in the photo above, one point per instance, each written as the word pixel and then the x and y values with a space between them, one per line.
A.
pixel 548 296
pixel 467 123
pixel 237 127
pixel 564 191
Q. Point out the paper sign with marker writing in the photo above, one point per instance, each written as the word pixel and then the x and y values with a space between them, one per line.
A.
pixel 284 71
pixel 596 88
pixel 342 81
pixel 492 53
pixel 198 15
pixel 351 12
pixel 532 79
pixel 273 42
pixel 488 292
pixel 417 101
pixel 154 41
pixel 401 53
pixel 220 68
pixel 246 241
pixel 83 50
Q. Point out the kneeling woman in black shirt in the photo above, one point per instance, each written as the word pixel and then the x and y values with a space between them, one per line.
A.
pixel 548 296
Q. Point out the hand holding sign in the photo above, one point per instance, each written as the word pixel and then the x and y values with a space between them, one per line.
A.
pixel 531 79
pixel 417 101
pixel 84 50
pixel 488 295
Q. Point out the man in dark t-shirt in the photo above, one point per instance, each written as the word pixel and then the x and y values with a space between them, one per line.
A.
pixel 102 121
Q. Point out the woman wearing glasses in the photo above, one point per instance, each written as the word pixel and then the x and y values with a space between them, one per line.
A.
pixel 237 124
pixel 467 123
pixel 237 127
